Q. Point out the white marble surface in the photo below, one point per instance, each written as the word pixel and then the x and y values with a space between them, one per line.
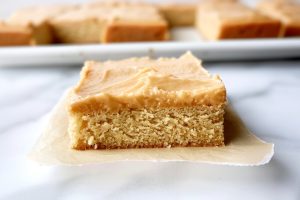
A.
pixel 266 95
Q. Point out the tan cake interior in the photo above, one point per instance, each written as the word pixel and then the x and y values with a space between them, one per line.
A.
pixel 153 127
pixel 141 102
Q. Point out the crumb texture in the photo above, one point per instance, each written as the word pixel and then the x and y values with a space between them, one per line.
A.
pixel 149 127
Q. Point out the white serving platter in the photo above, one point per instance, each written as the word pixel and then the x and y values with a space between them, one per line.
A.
pixel 183 39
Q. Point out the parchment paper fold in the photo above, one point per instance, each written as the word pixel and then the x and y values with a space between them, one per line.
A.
pixel 242 147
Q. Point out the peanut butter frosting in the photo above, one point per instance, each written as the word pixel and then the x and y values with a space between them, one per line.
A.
pixel 144 82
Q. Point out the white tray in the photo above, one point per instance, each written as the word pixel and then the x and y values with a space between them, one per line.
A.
pixel 183 39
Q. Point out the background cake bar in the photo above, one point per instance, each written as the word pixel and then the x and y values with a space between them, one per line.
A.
pixel 37 19
pixel 14 35
pixel 141 23
pixel 80 25
pixel 287 11
pixel 178 14
pixel 225 20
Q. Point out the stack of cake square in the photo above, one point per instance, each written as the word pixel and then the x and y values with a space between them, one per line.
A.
pixel 91 23
pixel 110 23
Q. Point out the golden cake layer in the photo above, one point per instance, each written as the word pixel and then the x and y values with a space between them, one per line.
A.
pixel 141 102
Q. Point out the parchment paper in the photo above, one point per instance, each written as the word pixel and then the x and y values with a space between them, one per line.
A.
pixel 242 147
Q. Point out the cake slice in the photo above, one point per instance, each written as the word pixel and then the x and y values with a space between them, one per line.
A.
pixel 227 20
pixel 132 23
pixel 287 11
pixel 37 19
pixel 141 103
pixel 182 14
pixel 83 25
pixel 11 35
pixel 178 14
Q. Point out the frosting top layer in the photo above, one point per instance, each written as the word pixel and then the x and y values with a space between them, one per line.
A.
pixel 140 82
